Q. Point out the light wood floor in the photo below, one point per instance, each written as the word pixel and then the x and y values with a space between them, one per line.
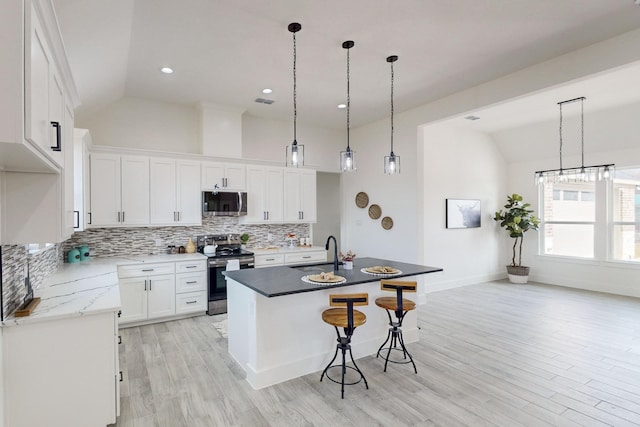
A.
pixel 493 354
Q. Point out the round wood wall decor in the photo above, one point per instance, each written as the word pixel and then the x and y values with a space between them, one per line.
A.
pixel 362 199
pixel 375 211
pixel 387 223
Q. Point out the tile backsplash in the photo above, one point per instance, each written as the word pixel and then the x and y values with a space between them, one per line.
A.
pixel 15 259
pixel 105 242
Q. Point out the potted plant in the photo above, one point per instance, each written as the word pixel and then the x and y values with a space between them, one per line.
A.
pixel 244 238
pixel 347 260
pixel 517 219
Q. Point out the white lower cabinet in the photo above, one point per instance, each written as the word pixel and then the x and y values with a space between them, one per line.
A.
pixel 62 372
pixel 147 291
pixel 191 286
pixel 306 256
pixel 162 290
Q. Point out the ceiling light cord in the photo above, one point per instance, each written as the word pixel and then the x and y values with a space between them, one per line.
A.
pixel 560 137
pixel 582 131
pixel 392 108
pixel 348 100
pixel 295 85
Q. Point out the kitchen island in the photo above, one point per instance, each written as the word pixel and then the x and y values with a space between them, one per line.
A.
pixel 275 326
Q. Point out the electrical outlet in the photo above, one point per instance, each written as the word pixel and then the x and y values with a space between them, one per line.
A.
pixel 158 242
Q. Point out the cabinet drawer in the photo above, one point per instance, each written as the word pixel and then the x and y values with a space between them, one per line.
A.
pixel 138 270
pixel 191 302
pixel 191 282
pixel 269 260
pixel 191 266
pixel 305 257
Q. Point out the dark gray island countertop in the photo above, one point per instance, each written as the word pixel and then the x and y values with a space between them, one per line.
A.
pixel 287 280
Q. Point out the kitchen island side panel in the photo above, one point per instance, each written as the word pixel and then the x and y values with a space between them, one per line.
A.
pixel 282 338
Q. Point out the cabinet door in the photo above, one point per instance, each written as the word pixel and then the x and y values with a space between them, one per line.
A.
pixel 38 64
pixel 235 177
pixel 212 174
pixel 308 193
pixel 189 204
pixel 133 297
pixel 105 190
pixel 135 190
pixel 256 194
pixel 162 191
pixel 292 200
pixel 161 295
pixel 274 201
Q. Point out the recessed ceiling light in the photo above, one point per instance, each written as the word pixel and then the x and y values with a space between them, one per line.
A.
pixel 342 106
pixel 472 118
pixel 167 70
pixel 266 90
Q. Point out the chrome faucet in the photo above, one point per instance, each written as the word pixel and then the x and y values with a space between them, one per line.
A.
pixel 335 251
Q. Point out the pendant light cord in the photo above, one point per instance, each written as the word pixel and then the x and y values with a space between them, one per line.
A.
pixel 295 105
pixel 348 100
pixel 392 107
pixel 560 137
pixel 582 129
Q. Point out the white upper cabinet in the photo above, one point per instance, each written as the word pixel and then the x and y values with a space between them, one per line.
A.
pixel 300 195
pixel 223 176
pixel 264 194
pixel 70 218
pixel 44 92
pixel 175 192
pixel 119 190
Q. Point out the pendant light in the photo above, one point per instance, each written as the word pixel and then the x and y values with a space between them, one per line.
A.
pixel 348 157
pixel 575 174
pixel 392 162
pixel 294 152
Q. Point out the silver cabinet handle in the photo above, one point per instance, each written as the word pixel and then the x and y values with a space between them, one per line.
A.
pixel 148 269
pixel 306 257
pixel 191 283
pixel 119 216
pixel 178 215
pixel 123 216
pixel 191 302
pixel 145 284
pixel 190 266
pixel 149 284
pixel 270 259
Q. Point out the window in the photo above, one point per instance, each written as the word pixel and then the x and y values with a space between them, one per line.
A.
pixel 625 206
pixel 568 214
pixel 570 226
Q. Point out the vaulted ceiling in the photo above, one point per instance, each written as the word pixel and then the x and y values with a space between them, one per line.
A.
pixel 225 52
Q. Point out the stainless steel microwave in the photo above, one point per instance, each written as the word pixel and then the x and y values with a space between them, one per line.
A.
pixel 224 203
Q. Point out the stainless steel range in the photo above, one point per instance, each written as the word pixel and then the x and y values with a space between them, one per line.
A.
pixel 228 248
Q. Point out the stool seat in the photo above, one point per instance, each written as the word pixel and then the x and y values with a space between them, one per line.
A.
pixel 339 317
pixel 391 303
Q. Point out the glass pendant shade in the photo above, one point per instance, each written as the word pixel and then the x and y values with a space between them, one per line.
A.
pixel 295 155
pixel 391 164
pixel 347 160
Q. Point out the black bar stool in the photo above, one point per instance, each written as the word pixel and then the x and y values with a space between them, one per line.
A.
pixel 348 319
pixel 400 307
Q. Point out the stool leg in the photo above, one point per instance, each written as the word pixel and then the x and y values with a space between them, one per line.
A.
pixel 407 353
pixel 385 341
pixel 334 357
pixel 344 369
pixel 366 384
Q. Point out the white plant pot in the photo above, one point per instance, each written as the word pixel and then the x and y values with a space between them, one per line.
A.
pixel 519 274
pixel 348 265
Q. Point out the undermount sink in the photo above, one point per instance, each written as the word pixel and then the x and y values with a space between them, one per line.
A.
pixel 324 267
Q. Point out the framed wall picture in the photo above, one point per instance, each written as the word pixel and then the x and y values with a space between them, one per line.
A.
pixel 463 213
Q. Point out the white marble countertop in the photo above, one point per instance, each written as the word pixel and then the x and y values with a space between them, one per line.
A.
pixel 84 288
pixel 284 249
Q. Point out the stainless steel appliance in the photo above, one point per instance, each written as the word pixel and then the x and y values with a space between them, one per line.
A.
pixel 228 248
pixel 224 203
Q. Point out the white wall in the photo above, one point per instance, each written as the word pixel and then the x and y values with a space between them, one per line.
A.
pixel 329 198
pixel 461 164
pixel 266 139
pixel 145 124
